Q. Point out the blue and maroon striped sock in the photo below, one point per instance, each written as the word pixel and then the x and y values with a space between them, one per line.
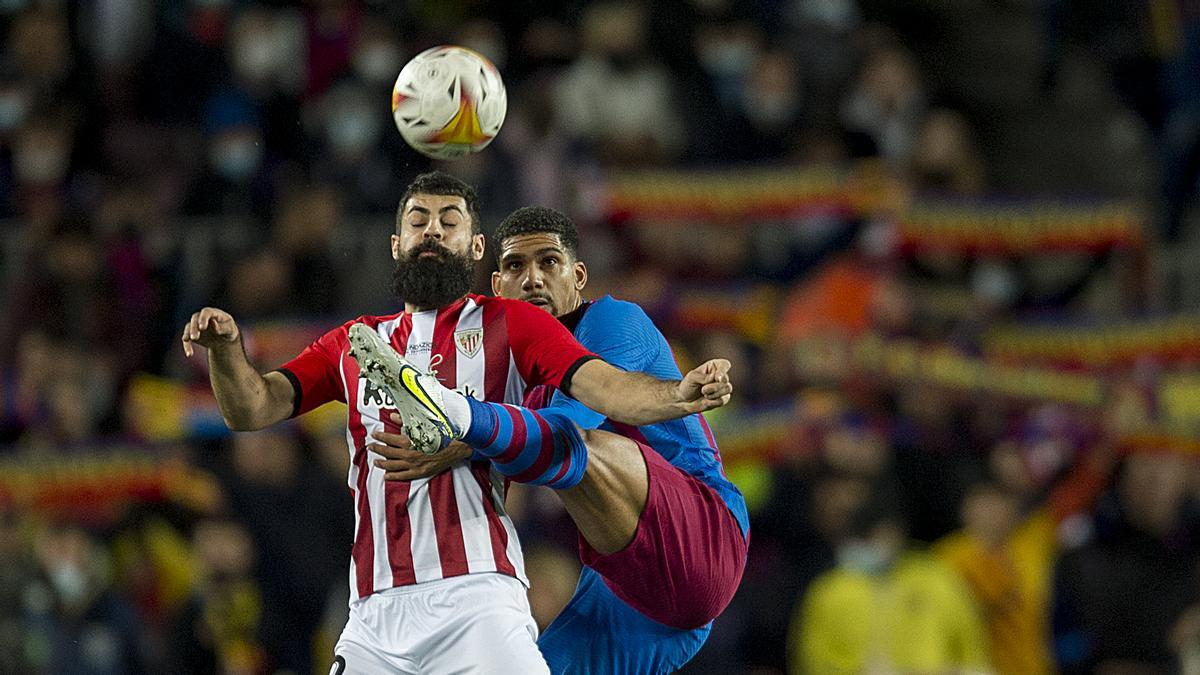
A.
pixel 537 448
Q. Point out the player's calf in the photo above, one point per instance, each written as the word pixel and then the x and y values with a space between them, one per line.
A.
pixel 534 447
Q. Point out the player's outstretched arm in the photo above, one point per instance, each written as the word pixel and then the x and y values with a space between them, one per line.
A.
pixel 640 399
pixel 248 399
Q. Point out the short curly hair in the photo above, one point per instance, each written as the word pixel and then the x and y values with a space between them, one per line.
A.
pixel 442 184
pixel 539 220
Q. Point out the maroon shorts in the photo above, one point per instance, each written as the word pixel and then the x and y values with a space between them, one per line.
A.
pixel 687 556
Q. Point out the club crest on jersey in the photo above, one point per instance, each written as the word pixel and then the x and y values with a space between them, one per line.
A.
pixel 469 341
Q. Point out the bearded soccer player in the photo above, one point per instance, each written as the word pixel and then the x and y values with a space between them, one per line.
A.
pixel 436 577
pixel 663 533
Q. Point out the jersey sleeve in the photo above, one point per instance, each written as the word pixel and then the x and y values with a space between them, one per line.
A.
pixel 621 334
pixel 543 349
pixel 314 372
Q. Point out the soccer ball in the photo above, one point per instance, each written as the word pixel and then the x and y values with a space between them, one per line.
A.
pixel 448 102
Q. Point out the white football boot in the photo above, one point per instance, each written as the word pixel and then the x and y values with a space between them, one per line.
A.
pixel 418 395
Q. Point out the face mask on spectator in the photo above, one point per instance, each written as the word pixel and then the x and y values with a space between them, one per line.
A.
pixel 994 282
pixel 727 58
pixel 254 58
pixel 353 129
pixel 13 108
pixel 864 557
pixel 237 158
pixel 69 582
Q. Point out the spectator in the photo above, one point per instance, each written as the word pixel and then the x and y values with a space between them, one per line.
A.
pixel 219 627
pixel 1123 592
pixel 235 178
pixel 288 502
pixel 617 97
pixel 886 608
pixel 1007 560
pixel 884 106
pixel 304 230
pixel 18 573
pixel 41 50
pixel 75 618
pixel 258 285
pixel 355 155
pixel 944 157
pixel 768 109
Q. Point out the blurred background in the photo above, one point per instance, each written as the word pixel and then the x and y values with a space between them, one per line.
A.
pixel 951 247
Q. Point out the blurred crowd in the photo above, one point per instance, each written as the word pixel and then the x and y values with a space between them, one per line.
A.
pixel 156 157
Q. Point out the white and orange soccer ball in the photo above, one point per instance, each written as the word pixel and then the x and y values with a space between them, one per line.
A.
pixel 448 102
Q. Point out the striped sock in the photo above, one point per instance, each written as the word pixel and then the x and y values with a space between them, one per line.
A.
pixel 537 448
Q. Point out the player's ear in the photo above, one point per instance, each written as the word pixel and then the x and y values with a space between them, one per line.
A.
pixel 496 284
pixel 580 275
pixel 395 247
pixel 478 246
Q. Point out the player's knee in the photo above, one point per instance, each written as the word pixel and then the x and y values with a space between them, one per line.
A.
pixel 591 438
pixel 612 445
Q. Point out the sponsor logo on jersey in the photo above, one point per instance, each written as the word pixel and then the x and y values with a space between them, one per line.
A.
pixel 419 348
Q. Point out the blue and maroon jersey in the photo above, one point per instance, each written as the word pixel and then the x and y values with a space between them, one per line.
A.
pixel 620 333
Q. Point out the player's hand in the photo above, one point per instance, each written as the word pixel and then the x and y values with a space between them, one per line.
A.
pixel 401 462
pixel 707 386
pixel 209 328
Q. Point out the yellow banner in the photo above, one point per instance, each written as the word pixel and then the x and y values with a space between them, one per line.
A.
pixel 1174 339
pixel 909 360
pixel 983 225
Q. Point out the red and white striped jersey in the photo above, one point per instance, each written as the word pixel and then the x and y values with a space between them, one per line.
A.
pixel 453 523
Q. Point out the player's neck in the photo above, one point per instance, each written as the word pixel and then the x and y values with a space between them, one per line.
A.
pixel 410 308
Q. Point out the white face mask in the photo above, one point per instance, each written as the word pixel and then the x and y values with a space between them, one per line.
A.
pixel 69 582
pixel 728 58
pixel 13 108
pixel 863 557
pixel 351 131
pixel 835 14
pixel 994 282
pixel 255 58
pixel 236 159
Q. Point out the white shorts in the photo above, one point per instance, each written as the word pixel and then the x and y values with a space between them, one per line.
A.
pixel 470 624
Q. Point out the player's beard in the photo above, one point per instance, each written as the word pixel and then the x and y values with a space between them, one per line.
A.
pixel 430 283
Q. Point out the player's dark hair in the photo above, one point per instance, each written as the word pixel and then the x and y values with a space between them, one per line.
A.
pixel 443 185
pixel 539 220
